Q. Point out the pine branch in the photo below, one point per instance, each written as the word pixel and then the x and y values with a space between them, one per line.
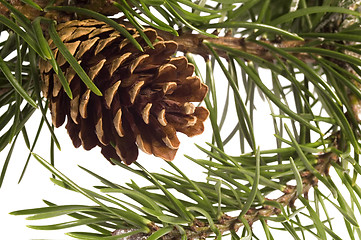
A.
pixel 194 43
pixel 329 53
pixel 201 230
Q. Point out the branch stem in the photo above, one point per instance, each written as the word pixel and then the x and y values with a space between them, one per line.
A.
pixel 193 43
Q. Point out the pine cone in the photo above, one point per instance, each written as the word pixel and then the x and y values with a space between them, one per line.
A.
pixel 146 95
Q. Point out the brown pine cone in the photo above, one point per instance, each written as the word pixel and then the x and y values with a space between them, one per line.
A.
pixel 146 95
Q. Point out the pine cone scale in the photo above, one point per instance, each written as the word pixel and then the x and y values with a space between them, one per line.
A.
pixel 118 61
pixel 66 32
pixel 144 144
pixel 70 74
pixel 73 131
pixel 85 46
pixel 74 108
pixel 57 87
pixel 87 135
pixel 145 112
pixel 78 33
pixel 161 118
pixel 117 121
pixel 72 47
pixel 94 70
pixel 101 129
pixel 83 106
pixel 110 93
